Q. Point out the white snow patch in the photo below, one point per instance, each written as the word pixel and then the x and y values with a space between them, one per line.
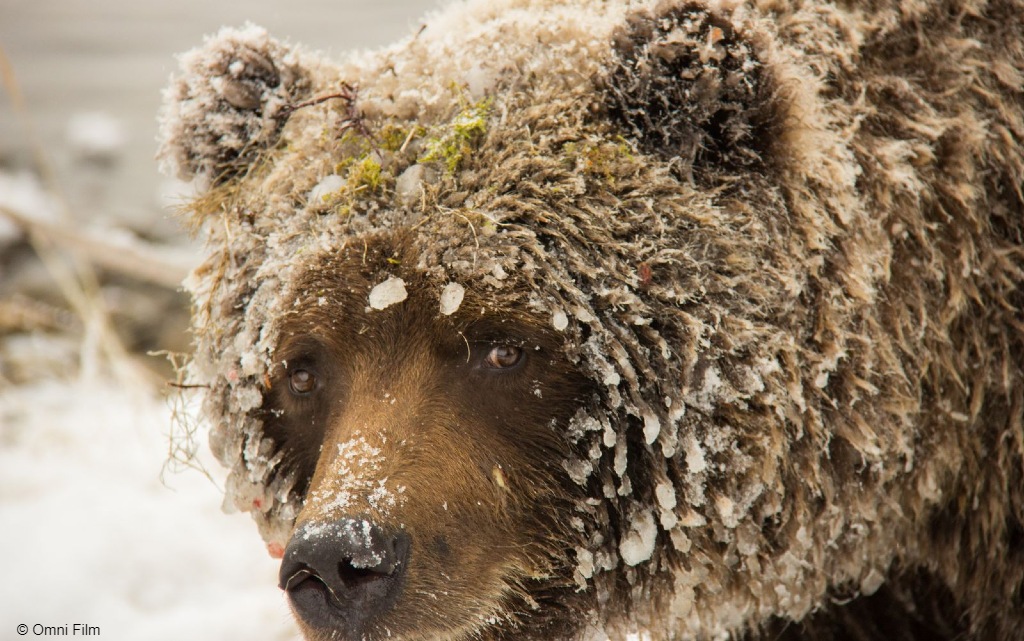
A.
pixel 22 193
pixel 357 467
pixel 668 520
pixel 89 524
pixel 609 437
pixel 249 363
pixel 680 541
pixel 706 397
pixel 388 293
pixel 96 134
pixel 693 519
pixel 579 470
pixel 583 315
pixel 479 80
pixel 451 298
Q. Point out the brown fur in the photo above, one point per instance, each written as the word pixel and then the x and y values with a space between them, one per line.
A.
pixel 772 254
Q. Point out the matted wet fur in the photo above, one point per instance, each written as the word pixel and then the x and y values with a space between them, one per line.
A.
pixel 562 320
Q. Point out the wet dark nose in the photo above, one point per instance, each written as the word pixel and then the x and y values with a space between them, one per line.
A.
pixel 342 574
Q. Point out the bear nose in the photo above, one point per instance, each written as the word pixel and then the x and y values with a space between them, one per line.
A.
pixel 343 573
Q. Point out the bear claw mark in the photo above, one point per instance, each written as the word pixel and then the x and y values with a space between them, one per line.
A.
pixel 686 84
pixel 230 103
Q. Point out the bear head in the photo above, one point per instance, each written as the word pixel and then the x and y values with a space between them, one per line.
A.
pixel 549 318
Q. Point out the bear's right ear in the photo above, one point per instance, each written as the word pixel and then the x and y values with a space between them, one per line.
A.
pixel 230 103
pixel 687 83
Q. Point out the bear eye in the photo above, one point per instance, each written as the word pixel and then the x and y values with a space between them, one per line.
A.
pixel 301 382
pixel 504 356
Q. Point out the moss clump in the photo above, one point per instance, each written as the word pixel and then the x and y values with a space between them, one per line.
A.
pixel 394 137
pixel 453 142
pixel 365 173
pixel 600 159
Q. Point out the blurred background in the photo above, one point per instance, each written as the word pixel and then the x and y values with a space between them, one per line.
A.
pixel 102 520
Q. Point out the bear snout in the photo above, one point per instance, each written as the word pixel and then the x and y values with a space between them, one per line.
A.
pixel 344 573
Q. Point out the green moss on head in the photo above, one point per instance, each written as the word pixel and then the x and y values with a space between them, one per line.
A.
pixel 365 173
pixel 394 138
pixel 451 143
pixel 601 159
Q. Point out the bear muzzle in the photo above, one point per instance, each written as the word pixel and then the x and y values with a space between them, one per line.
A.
pixel 340 575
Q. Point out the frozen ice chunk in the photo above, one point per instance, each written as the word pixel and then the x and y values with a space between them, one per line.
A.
pixel 559 320
pixel 695 462
pixel 727 510
pixel 638 544
pixel 579 470
pixel 451 298
pixel 327 186
pixel 652 427
pixel 248 398
pixel 585 562
pixel 409 185
pixel 386 294
pixel 666 495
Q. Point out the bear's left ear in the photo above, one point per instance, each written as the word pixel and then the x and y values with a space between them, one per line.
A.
pixel 686 82
pixel 230 103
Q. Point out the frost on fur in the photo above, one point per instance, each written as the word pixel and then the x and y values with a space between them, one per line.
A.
pixel 782 243
pixel 688 84
pixel 229 103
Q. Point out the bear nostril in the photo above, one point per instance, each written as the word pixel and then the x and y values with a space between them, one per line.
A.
pixel 352 576
pixel 343 573
pixel 295 578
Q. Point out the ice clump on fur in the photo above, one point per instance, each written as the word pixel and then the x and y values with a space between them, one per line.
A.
pixel 388 293
pixel 638 544
pixel 230 105
pixel 327 186
pixel 451 298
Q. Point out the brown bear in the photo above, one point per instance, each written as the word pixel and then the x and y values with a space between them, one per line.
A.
pixel 566 320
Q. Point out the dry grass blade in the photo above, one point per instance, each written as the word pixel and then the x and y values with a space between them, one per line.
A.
pixel 183 439
pixel 132 257
pixel 23 314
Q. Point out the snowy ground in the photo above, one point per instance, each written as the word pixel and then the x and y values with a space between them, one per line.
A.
pixel 93 536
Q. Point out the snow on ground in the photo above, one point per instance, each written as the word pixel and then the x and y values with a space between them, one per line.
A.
pixel 91 535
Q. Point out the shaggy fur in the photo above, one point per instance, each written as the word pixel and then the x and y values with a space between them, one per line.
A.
pixel 783 240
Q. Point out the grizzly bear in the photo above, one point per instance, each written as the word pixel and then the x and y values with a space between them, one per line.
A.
pixel 566 320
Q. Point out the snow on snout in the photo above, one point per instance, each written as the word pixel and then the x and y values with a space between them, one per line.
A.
pixel 358 534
